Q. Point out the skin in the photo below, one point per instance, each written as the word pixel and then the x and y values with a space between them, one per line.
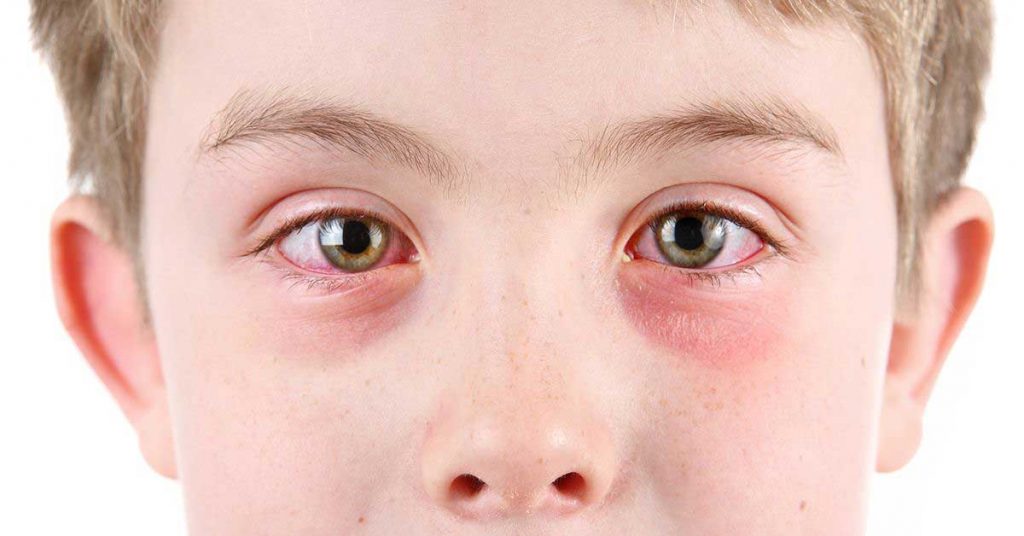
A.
pixel 521 346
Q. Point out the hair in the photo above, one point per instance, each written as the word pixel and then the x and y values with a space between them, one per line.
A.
pixel 932 56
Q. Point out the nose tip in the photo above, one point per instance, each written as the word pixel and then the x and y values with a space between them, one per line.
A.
pixel 484 471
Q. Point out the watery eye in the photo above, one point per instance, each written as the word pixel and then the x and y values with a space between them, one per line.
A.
pixel 349 244
pixel 695 239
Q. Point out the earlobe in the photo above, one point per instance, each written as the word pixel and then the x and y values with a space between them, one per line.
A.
pixel 155 440
pixel 954 258
pixel 97 298
pixel 900 426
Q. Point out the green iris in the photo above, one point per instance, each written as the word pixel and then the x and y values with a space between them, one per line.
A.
pixel 690 239
pixel 353 244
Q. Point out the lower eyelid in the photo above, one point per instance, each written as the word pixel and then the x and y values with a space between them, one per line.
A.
pixel 665 279
pixel 370 286
pixel 714 327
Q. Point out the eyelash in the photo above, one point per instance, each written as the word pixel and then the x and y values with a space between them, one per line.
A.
pixel 295 223
pixel 714 278
pixel 324 283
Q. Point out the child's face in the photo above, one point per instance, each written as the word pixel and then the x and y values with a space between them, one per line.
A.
pixel 520 346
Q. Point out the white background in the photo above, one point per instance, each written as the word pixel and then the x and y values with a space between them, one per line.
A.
pixel 69 463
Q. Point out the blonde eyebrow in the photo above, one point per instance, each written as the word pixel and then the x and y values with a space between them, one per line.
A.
pixel 274 118
pixel 772 121
pixel 269 118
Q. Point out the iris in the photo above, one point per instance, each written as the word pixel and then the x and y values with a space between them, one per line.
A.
pixel 353 244
pixel 691 240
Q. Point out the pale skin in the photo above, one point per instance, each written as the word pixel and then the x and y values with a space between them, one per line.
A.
pixel 517 332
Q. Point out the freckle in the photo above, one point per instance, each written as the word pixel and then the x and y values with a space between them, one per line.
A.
pixel 713 406
pixel 863 363
pixel 803 505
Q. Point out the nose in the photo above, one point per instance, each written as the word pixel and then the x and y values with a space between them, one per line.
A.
pixel 517 457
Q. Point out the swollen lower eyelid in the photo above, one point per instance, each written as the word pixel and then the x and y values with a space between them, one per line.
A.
pixel 689 316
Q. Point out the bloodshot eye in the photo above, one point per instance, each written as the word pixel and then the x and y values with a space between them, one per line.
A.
pixel 348 244
pixel 695 239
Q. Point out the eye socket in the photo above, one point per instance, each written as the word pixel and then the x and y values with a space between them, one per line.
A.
pixel 346 243
pixel 695 238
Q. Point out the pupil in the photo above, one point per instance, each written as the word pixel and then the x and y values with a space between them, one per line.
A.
pixel 688 233
pixel 355 236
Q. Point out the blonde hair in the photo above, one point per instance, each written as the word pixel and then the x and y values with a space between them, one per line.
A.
pixel 933 56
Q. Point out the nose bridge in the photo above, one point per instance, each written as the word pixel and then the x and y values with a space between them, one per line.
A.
pixel 518 431
pixel 519 283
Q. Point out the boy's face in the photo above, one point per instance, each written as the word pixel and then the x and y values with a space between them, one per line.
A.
pixel 501 333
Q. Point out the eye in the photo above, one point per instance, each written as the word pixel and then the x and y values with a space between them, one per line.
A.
pixel 349 243
pixel 692 239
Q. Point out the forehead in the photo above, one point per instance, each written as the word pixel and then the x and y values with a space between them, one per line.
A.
pixel 529 74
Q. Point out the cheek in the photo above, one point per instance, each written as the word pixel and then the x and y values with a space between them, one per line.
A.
pixel 268 384
pixel 699 323
pixel 236 328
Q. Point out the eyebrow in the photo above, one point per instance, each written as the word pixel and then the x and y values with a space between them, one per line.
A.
pixel 266 119
pixel 765 122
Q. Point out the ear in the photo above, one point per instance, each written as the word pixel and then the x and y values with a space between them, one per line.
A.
pixel 97 298
pixel 954 255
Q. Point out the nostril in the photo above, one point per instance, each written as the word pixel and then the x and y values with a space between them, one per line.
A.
pixel 466 486
pixel 571 485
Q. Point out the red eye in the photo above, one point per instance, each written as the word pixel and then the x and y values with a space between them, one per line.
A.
pixel 695 239
pixel 344 244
